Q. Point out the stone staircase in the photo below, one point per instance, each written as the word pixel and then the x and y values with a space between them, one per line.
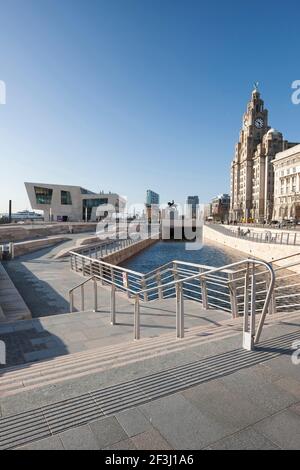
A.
pixel 32 376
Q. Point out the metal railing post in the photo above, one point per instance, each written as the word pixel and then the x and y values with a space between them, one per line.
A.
pixel 203 286
pixel 95 296
pixel 113 305
pixel 233 296
pixel 179 311
pixel 101 273
pixel 246 334
pixel 159 286
pixel 82 297
pixel 137 326
pixel 144 286
pixel 71 298
pixel 175 272
pixel 112 275
pixel 253 302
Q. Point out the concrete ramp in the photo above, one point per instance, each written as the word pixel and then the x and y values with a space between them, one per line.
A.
pixel 12 305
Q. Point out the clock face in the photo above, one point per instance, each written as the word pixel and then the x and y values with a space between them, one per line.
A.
pixel 259 123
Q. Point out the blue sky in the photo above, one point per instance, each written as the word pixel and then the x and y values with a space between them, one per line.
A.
pixel 125 95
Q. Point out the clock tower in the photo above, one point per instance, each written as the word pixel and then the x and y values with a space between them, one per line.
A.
pixel 252 172
pixel 255 120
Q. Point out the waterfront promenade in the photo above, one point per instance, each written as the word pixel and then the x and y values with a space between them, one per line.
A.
pixel 209 394
pixel 74 381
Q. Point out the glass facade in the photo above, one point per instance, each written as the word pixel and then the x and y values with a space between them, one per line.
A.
pixel 94 202
pixel 88 204
pixel 43 195
pixel 152 198
pixel 193 205
pixel 65 197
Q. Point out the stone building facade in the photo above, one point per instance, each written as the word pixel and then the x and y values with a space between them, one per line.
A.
pixel 252 173
pixel 287 184
pixel 220 207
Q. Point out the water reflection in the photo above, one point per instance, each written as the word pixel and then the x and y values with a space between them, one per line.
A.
pixel 164 252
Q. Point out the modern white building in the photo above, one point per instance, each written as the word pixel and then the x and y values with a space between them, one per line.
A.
pixel 287 184
pixel 61 203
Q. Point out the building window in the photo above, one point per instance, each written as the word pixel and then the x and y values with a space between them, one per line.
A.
pixel 65 197
pixel 88 204
pixel 43 195
pixel 94 202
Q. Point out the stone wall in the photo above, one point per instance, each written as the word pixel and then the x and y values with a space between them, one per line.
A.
pixel 264 251
pixel 15 232
pixel 128 252
pixel 23 248
pixel 12 305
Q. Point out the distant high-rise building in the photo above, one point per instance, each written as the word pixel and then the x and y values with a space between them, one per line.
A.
pixel 193 204
pixel 151 198
pixel 152 205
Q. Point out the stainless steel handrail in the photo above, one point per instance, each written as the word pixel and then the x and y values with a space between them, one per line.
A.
pixel 81 285
pixel 183 286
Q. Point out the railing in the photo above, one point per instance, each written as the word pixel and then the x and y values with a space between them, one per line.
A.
pixel 251 335
pixel 224 288
pixel 81 285
pixel 214 291
pixel 286 293
pixel 104 248
pixel 277 238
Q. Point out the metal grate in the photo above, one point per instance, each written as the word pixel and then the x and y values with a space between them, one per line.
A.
pixel 20 429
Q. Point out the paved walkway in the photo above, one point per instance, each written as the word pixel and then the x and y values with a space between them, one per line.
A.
pixel 203 392
pixel 42 281
pixel 211 396
pixel 48 337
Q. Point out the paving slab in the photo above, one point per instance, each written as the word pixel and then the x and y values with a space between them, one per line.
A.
pixel 283 429
pixel 150 440
pixel 51 443
pixel 248 439
pixel 81 438
pixel 182 424
pixel 250 385
pixel 133 422
pixel 108 431
pixel 127 444
pixel 215 400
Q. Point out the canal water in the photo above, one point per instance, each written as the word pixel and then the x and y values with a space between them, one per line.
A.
pixel 166 251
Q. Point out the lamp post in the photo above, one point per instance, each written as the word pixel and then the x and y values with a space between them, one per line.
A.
pixel 9 211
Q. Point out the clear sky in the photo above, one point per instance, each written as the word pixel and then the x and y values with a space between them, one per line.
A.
pixel 125 95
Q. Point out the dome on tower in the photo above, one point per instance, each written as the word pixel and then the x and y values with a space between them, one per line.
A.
pixel 274 132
